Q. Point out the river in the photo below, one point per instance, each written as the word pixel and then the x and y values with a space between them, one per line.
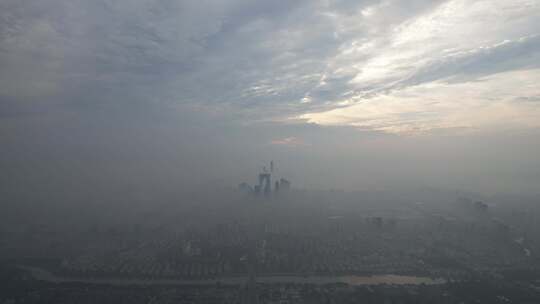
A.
pixel 45 275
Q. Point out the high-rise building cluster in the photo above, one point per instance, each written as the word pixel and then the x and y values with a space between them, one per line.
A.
pixel 264 185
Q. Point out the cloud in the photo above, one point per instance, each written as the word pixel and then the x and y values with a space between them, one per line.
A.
pixel 491 103
pixel 289 141
pixel 389 82
pixel 250 62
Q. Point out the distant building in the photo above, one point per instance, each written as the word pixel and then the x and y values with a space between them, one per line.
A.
pixel 257 189
pixel 480 206
pixel 245 187
pixel 378 222
pixel 284 185
pixel 265 183
pixel 191 248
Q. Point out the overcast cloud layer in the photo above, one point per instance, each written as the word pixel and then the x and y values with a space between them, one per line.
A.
pixel 296 74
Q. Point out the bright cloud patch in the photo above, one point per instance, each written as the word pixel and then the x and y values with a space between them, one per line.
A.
pixel 491 102
pixel 462 64
pixel 289 141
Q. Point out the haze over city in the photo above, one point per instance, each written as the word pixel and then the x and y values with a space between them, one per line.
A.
pixel 127 121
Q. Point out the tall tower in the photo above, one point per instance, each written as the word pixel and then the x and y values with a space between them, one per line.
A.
pixel 265 183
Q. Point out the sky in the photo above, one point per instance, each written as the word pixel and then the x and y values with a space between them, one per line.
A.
pixel 146 97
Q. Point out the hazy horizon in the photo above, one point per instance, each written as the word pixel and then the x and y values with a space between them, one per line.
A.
pixel 152 96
